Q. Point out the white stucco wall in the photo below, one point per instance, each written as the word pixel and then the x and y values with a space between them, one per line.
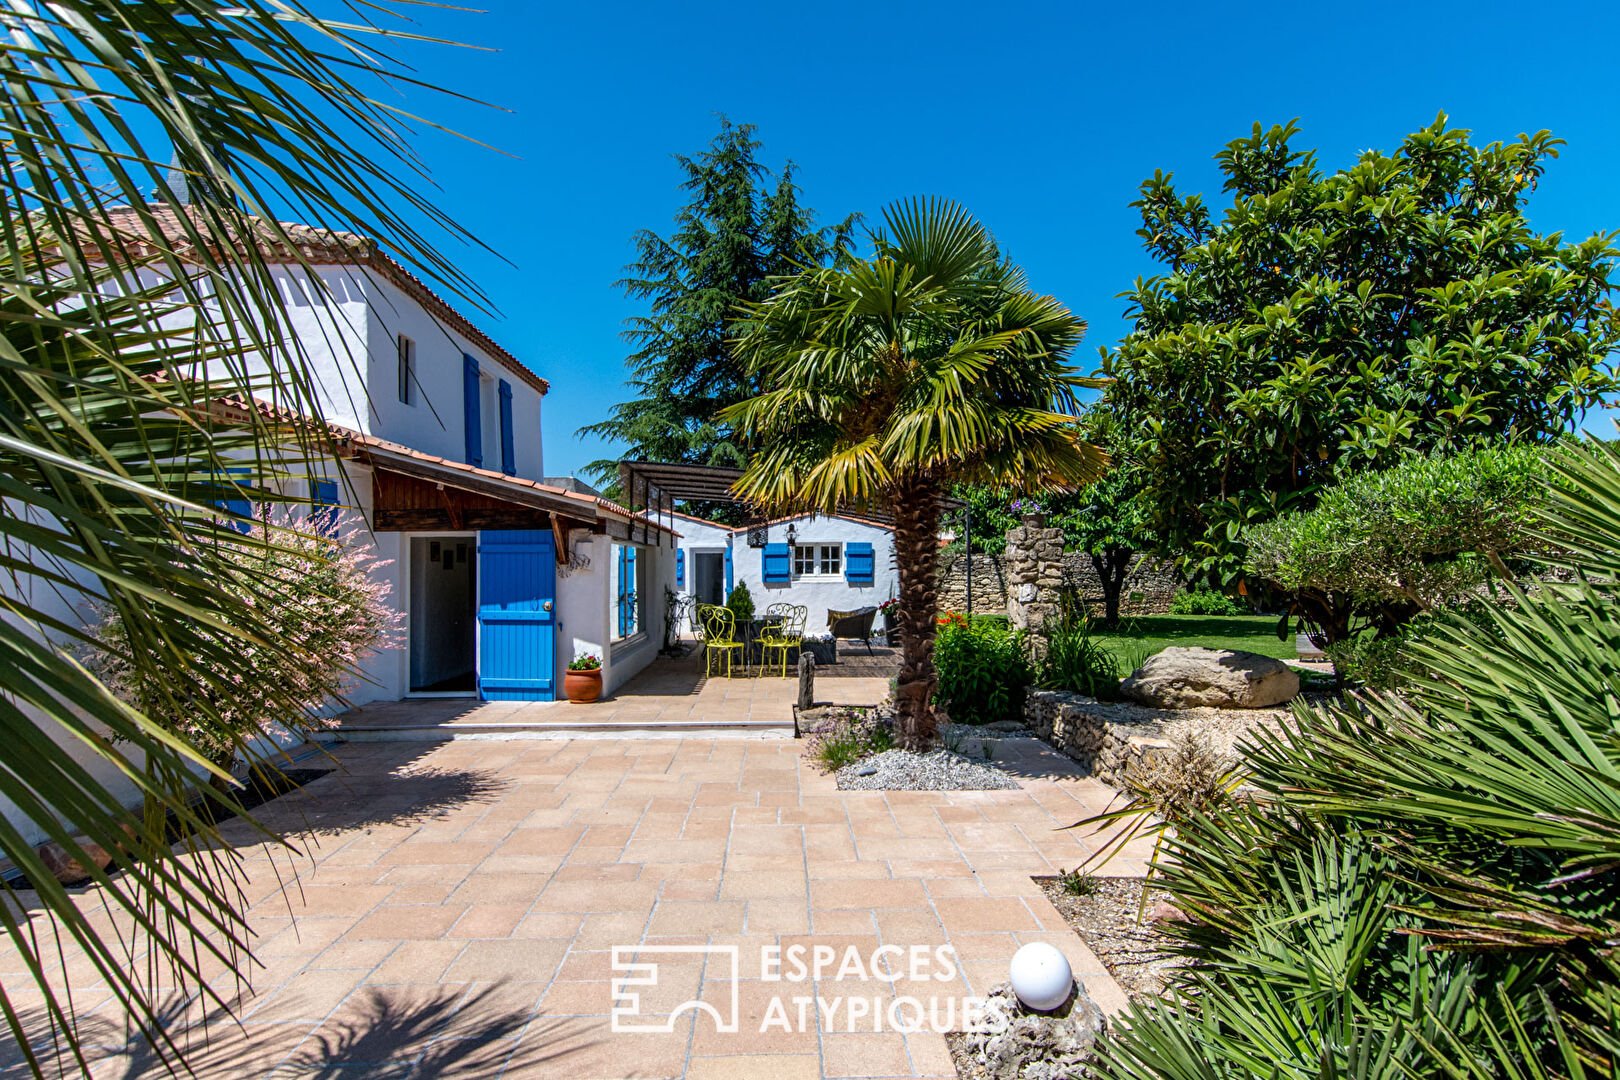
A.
pixel 819 595
pixel 434 422
pixel 587 611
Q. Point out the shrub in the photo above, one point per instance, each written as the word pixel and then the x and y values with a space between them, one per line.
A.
pixel 1381 547
pixel 982 671
pixel 848 735
pixel 1077 882
pixel 332 614
pixel 1204 602
pixel 1075 661
pixel 741 602
pixel 1374 662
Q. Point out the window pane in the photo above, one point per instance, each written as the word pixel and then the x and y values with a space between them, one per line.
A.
pixel 830 558
pixel 407 368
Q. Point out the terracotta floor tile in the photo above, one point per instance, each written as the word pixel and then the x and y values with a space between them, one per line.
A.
pixel 756 1067
pixel 407 922
pixel 698 917
pixel 530 960
pixel 865 1055
pixel 867 893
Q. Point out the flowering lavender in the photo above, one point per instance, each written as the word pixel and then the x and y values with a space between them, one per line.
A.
pixel 332 613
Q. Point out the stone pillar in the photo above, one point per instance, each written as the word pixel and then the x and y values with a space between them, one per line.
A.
pixel 1033 564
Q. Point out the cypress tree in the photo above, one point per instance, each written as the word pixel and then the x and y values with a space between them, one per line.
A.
pixel 741 228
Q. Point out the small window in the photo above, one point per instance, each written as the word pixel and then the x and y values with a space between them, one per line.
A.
pixel 407 370
pixel 818 560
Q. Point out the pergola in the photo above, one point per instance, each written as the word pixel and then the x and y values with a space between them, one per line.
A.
pixel 655 486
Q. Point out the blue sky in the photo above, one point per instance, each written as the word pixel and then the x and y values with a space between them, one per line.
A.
pixel 1041 117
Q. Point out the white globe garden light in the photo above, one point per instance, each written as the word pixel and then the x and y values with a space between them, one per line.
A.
pixel 1040 976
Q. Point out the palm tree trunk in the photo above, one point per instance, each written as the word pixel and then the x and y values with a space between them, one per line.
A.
pixel 916 552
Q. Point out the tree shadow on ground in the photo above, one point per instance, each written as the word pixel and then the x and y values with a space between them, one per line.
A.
pixel 340 802
pixel 380 1033
pixel 447 1034
pixel 1024 758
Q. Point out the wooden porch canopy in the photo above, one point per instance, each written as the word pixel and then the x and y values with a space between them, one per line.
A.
pixel 416 492
pixel 653 487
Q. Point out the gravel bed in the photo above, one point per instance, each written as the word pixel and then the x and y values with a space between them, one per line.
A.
pixel 938 770
pixel 1112 921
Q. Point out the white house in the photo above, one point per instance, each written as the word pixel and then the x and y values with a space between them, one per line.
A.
pixel 504 575
pixel 836 562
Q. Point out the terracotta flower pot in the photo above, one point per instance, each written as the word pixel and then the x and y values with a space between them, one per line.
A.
pixel 583 687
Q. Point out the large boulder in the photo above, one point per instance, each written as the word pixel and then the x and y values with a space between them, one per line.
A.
pixel 1188 678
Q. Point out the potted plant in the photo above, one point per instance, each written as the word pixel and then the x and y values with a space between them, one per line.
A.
pixel 583 681
pixel 741 603
pixel 890 610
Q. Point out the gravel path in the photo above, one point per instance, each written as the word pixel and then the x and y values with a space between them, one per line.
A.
pixel 939 770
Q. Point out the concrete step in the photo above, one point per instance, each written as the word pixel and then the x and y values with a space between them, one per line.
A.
pixel 516 730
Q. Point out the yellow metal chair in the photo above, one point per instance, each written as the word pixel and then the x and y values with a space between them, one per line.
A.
pixel 719 636
pixel 782 636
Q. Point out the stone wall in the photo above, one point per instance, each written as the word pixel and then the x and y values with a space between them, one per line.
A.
pixel 1034 567
pixel 989 585
pixel 1103 737
pixel 1150 584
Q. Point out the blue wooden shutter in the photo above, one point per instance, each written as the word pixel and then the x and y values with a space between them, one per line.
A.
pixel 859 566
pixel 778 564
pixel 517 588
pixel 238 508
pixel 680 568
pixel 728 573
pixel 627 591
pixel 324 494
pixel 469 406
pixel 508 453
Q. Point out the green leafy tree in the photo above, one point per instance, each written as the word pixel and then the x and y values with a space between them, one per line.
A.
pixel 742 229
pixel 890 378
pixel 1333 322
pixel 111 465
pixel 1107 521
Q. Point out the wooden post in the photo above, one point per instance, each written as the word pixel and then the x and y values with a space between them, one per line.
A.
pixel 807 679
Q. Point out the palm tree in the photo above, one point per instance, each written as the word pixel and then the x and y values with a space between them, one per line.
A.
pixel 930 363
pixel 110 461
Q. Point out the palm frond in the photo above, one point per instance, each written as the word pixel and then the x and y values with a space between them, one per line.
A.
pixel 121 320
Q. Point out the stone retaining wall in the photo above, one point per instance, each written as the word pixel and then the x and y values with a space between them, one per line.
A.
pixel 1104 737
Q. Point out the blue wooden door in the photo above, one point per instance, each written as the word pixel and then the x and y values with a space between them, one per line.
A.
pixel 517 628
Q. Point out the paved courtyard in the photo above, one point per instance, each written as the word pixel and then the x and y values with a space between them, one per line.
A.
pixel 457 908
pixel 670 696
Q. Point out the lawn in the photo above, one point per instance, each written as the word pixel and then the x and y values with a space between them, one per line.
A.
pixel 1140 637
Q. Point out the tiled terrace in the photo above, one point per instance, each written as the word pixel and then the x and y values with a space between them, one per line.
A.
pixel 671 694
pixel 456 908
